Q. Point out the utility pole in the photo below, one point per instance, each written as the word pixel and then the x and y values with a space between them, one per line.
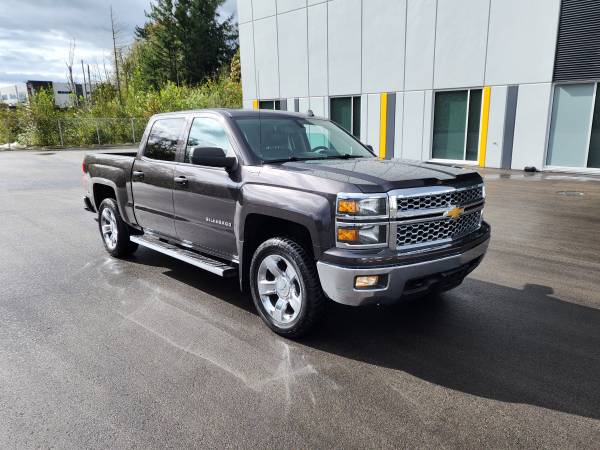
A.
pixel 84 82
pixel 90 81
pixel 114 38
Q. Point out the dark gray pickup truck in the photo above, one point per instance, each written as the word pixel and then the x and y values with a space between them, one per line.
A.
pixel 294 206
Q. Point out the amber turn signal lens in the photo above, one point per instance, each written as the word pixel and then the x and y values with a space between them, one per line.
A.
pixel 347 234
pixel 347 206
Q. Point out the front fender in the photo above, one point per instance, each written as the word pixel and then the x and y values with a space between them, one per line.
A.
pixel 309 209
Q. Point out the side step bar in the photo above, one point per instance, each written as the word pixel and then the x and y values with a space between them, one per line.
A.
pixel 195 259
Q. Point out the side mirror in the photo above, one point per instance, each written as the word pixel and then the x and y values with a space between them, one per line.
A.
pixel 212 157
pixel 370 147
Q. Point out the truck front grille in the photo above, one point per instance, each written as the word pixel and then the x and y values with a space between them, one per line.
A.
pixel 430 232
pixel 441 200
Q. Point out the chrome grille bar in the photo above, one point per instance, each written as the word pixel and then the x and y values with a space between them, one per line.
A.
pixel 422 215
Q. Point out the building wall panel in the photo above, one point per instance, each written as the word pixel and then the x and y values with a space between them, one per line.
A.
pixel 303 105
pixel 289 5
pixel 247 60
pixel 263 8
pixel 399 124
pixel 495 139
pixel 293 55
pixel 344 28
pixel 317 105
pixel 460 43
pixel 522 41
pixel 267 65
pixel 383 45
pixel 317 49
pixel 373 120
pixel 427 125
pixel 364 115
pixel 531 125
pixel 412 131
pixel 244 10
pixel 420 44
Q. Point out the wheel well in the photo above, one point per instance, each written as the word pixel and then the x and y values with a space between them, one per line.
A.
pixel 101 192
pixel 259 228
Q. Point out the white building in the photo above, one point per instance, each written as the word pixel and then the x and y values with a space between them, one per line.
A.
pixel 12 95
pixel 63 94
pixel 499 83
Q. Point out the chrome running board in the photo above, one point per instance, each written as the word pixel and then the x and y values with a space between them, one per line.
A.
pixel 195 259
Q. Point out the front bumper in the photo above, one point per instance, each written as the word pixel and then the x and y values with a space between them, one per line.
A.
pixel 338 281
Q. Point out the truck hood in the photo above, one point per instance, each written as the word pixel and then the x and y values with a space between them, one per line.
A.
pixel 375 175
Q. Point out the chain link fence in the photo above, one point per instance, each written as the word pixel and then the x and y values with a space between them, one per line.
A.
pixel 76 132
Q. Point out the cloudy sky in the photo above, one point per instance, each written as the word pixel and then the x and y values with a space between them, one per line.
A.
pixel 35 35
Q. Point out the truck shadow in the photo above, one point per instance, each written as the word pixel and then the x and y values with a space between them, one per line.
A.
pixel 492 341
pixel 483 339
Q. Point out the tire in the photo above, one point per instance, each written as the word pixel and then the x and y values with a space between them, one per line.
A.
pixel 113 230
pixel 293 306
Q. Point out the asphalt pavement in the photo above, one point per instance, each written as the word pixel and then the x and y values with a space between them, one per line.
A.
pixel 149 352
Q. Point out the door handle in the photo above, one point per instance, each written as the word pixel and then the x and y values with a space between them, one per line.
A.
pixel 137 175
pixel 181 181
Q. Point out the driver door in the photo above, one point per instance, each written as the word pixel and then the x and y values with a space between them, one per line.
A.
pixel 205 197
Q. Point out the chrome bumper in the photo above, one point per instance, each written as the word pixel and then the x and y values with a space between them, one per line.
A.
pixel 338 282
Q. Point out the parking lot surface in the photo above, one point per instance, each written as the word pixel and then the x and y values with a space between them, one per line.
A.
pixel 149 352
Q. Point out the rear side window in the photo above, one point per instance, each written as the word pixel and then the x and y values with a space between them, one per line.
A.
pixel 162 142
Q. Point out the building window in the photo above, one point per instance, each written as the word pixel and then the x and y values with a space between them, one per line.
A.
pixel 575 127
pixel 270 104
pixel 456 125
pixel 345 111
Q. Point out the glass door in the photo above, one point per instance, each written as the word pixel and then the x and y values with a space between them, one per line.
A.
pixel 569 128
pixel 456 125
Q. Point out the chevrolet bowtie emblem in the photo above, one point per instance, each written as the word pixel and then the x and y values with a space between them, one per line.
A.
pixel 454 213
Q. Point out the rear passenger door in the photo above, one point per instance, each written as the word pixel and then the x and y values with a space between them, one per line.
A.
pixel 153 174
pixel 205 197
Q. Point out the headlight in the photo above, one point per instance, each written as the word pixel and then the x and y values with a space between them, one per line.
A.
pixel 362 206
pixel 355 234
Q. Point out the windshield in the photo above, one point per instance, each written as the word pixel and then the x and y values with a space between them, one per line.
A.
pixel 298 138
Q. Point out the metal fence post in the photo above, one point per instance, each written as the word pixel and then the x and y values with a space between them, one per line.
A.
pixel 60 133
pixel 98 132
pixel 132 131
pixel 7 133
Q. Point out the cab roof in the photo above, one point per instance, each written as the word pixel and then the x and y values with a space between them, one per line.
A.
pixel 235 113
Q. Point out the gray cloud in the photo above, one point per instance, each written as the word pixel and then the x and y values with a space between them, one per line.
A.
pixel 35 34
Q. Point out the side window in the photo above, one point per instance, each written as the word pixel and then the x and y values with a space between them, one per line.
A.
pixel 162 142
pixel 206 132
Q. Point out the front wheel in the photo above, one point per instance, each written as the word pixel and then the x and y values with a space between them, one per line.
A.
pixel 114 231
pixel 285 287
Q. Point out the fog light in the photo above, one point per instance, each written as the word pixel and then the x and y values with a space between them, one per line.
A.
pixel 366 281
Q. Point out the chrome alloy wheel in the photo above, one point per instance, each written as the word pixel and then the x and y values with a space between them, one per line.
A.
pixel 110 232
pixel 279 289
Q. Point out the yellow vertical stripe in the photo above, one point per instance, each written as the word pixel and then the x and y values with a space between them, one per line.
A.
pixel 255 104
pixel 383 125
pixel 485 118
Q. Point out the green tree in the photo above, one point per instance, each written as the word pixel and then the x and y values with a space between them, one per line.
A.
pixel 185 42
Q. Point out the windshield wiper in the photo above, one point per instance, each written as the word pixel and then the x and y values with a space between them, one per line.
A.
pixel 311 158
pixel 289 159
pixel 345 156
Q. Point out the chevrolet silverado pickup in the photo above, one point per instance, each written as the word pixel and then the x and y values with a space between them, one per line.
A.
pixel 293 206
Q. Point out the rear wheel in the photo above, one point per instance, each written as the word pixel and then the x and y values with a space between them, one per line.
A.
pixel 114 231
pixel 285 287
